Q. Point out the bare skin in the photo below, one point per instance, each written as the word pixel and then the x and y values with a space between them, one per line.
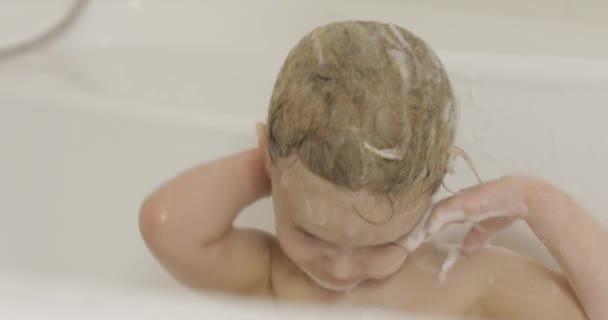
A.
pixel 575 238
pixel 343 258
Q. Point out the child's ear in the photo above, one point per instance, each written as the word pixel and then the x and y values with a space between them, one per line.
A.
pixel 262 135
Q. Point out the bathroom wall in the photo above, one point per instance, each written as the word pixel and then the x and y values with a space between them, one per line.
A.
pixel 548 27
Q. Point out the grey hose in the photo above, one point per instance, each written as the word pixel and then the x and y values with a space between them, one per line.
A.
pixel 47 35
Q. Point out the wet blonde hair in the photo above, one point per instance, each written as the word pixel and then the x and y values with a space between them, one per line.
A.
pixel 365 105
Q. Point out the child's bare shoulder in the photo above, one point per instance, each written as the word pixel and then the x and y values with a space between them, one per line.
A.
pixel 494 281
pixel 490 266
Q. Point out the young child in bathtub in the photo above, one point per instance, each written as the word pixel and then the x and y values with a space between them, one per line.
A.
pixel 359 137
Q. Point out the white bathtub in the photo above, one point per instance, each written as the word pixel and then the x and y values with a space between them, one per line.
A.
pixel 92 124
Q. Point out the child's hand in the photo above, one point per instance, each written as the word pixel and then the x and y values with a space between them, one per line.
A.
pixel 574 237
pixel 490 206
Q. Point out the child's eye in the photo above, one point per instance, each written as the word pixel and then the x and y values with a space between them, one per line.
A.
pixel 309 236
pixel 306 234
pixel 383 246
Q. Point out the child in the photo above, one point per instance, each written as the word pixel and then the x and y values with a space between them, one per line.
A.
pixel 359 138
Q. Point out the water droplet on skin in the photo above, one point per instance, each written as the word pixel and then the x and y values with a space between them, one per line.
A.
pixel 164 216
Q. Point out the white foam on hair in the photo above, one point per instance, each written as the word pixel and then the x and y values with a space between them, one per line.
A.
pixel 400 60
pixel 399 37
pixel 318 49
pixel 388 154
pixel 387 37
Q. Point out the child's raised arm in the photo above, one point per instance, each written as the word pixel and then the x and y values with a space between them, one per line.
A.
pixel 575 238
pixel 187 224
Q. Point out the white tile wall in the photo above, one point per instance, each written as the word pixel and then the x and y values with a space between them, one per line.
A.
pixel 534 27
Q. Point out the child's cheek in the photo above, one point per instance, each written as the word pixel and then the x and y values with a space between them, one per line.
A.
pixel 300 249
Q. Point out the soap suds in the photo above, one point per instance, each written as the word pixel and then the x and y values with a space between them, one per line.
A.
pixel 385 35
pixel 417 236
pixel 453 253
pixel 318 49
pixel 389 154
pixel 400 60
pixel 399 37
pixel 443 218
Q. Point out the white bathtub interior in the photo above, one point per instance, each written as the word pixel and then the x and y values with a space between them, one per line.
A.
pixel 92 123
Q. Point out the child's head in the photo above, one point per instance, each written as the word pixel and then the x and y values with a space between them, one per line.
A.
pixel 361 122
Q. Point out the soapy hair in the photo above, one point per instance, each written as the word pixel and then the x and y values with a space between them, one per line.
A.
pixel 365 105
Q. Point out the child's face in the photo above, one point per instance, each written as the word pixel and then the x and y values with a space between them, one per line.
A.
pixel 337 236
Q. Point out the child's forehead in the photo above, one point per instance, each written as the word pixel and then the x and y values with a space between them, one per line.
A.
pixel 322 208
pixel 295 176
pixel 298 181
pixel 342 225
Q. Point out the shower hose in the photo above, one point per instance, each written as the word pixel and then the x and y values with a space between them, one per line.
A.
pixel 45 36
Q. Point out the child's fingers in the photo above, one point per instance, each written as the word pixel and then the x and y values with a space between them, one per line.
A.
pixel 440 219
pixel 474 204
pixel 474 241
pixel 454 209
pixel 481 233
pixel 414 240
